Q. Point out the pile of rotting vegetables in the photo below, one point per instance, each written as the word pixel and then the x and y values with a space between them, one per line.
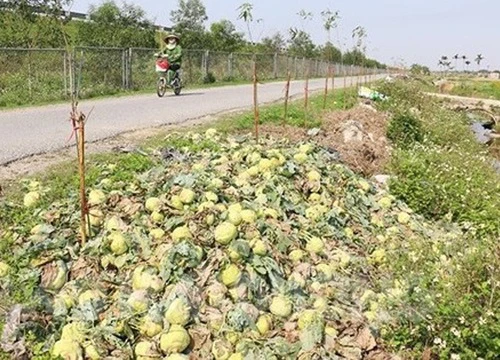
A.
pixel 241 250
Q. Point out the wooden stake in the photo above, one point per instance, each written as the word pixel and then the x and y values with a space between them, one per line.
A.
pixel 306 98
pixel 326 87
pixel 287 94
pixel 255 104
pixel 78 120
pixel 333 80
pixel 345 89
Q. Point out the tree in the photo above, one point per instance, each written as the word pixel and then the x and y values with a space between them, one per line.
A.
pixel 417 69
pixel 329 23
pixel 301 44
pixel 467 64
pixel 191 14
pixel 305 16
pixel 31 23
pixel 246 14
pixel 359 35
pixel 330 53
pixel 224 37
pixel 354 57
pixel 189 22
pixel 456 57
pixel 113 26
pixel 478 60
pixel 273 44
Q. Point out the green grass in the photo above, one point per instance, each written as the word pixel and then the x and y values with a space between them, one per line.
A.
pixel 487 89
pixel 297 115
pixel 443 173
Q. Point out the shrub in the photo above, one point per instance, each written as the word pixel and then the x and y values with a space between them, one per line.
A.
pixel 404 130
pixel 209 78
pixel 439 182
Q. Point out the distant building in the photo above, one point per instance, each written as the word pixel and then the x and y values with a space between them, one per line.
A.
pixel 494 75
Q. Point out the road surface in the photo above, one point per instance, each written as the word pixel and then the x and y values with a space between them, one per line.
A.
pixel 37 130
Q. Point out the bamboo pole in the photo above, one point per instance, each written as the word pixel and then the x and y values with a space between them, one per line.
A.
pixel 255 104
pixel 287 95
pixel 326 87
pixel 306 97
pixel 81 167
pixel 344 73
pixel 333 81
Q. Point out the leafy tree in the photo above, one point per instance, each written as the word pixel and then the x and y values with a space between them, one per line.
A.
pixel 224 37
pixel 245 13
pixel 354 57
pixel 273 44
pixel 359 35
pixel 330 53
pixel 456 57
pixel 189 22
pixel 113 26
pixel 304 17
pixel 330 21
pixel 301 44
pixel 478 60
pixel 31 23
pixel 417 69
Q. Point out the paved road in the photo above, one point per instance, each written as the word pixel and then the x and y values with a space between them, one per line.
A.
pixel 36 130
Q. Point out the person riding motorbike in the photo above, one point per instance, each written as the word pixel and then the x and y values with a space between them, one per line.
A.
pixel 173 53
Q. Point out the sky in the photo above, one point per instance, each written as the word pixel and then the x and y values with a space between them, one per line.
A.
pixel 398 31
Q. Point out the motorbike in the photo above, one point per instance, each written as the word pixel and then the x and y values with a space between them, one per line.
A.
pixel 162 68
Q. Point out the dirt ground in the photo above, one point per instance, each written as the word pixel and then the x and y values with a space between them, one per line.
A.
pixel 368 156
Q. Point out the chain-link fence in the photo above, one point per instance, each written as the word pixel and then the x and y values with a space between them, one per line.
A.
pixel 37 75
pixel 30 74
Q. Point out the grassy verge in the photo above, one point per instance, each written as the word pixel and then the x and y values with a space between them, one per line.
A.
pixel 487 89
pixel 441 172
pixel 440 169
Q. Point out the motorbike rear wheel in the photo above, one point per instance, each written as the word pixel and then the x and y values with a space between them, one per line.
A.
pixel 177 86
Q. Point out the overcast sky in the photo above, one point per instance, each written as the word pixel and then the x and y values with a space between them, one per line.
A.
pixel 416 31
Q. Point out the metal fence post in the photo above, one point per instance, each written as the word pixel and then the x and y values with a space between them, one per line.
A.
pixel 207 60
pixel 230 66
pixel 275 66
pixel 129 63
pixel 124 69
pixel 65 72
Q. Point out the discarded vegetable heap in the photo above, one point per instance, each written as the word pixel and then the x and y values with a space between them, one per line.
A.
pixel 238 251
